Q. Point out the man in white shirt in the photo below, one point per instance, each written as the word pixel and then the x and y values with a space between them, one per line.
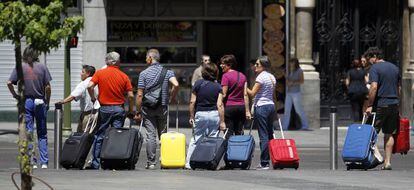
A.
pixel 81 93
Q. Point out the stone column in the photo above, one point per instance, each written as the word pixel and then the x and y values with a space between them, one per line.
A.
pixel 407 89
pixel 311 87
pixel 94 33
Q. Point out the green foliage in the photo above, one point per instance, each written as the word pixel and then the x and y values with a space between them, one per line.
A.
pixel 43 28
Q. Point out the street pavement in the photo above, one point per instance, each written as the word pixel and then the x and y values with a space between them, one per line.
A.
pixel 313 173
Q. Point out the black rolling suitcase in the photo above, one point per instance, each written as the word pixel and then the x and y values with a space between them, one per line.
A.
pixel 77 146
pixel 208 152
pixel 120 148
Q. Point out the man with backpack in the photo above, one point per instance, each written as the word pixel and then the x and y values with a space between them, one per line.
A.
pixel 152 101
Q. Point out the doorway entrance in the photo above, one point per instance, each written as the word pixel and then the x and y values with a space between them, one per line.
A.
pixel 344 30
pixel 226 37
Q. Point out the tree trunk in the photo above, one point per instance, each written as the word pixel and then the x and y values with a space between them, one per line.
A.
pixel 24 138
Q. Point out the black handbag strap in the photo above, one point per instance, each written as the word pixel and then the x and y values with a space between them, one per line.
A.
pixel 159 80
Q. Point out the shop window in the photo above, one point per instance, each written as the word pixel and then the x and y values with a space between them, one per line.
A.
pixel 171 55
pixel 151 31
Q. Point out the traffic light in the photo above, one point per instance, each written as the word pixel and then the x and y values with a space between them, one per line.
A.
pixel 73 42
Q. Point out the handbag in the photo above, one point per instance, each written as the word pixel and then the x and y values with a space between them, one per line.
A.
pixel 152 96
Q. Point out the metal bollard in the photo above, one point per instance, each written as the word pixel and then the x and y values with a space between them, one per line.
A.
pixel 58 135
pixel 333 140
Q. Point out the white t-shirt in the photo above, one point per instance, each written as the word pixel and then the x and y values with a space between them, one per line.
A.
pixel 81 93
pixel 267 86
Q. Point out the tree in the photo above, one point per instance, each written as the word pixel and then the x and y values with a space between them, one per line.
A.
pixel 40 22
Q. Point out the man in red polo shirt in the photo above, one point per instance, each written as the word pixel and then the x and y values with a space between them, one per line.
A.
pixel 113 85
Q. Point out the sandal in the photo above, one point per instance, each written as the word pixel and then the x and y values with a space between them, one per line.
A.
pixel 386 168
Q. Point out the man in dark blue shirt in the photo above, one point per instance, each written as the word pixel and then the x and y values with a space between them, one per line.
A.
pixel 384 78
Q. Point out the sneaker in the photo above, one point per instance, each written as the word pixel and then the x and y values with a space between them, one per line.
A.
pixel 150 167
pixel 35 166
pixel 90 168
pixel 44 166
pixel 260 167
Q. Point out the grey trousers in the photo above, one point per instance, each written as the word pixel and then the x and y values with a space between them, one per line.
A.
pixel 155 123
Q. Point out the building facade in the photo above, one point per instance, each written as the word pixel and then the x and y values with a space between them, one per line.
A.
pixel 324 34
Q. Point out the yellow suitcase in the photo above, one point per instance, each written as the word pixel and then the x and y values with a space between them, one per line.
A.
pixel 172 147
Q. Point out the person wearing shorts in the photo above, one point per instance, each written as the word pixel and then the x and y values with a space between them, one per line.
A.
pixel 384 78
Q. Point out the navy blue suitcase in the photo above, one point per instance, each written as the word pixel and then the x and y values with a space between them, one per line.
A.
pixel 208 152
pixel 121 148
pixel 358 150
pixel 76 147
pixel 240 150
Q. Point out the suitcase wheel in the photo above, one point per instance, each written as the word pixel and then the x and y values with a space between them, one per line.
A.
pixel 296 168
pixel 348 168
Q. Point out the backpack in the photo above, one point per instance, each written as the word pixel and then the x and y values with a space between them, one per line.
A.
pixel 152 96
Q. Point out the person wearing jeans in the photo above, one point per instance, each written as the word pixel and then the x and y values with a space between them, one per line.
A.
pixel 37 97
pixel 38 112
pixel 113 84
pixel 294 96
pixel 206 102
pixel 264 108
pixel 108 116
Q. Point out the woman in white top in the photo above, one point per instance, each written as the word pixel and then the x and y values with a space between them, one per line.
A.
pixel 264 108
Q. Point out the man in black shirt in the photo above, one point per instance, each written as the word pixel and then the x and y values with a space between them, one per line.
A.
pixel 384 93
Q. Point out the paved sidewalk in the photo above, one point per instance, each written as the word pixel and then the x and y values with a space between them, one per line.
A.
pixel 314 173
pixel 318 138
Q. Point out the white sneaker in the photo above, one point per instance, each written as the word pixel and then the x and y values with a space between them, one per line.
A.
pixel 44 166
pixel 150 167
pixel 260 167
pixel 35 166
pixel 187 167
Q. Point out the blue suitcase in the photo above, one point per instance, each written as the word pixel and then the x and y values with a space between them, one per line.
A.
pixel 358 150
pixel 240 150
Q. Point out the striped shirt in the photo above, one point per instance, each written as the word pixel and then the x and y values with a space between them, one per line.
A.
pixel 267 86
pixel 149 76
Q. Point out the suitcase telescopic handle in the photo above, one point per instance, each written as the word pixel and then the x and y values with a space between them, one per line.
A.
pixel 252 121
pixel 251 126
pixel 176 117
pixel 216 134
pixel 140 125
pixel 281 129
pixel 365 118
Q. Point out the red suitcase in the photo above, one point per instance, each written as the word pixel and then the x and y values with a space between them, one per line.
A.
pixel 402 138
pixel 283 152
